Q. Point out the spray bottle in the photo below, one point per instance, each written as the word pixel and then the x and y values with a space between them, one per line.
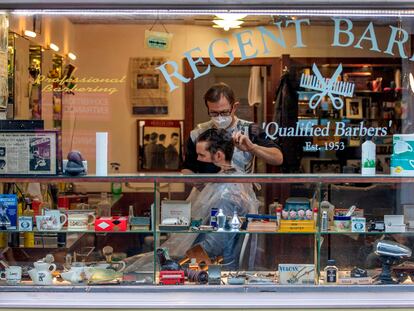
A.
pixel 368 158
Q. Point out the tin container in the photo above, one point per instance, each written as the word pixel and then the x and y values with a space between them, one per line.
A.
pixel 342 223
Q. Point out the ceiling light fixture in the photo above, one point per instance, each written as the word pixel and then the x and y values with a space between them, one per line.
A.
pixel 30 34
pixel 72 56
pixel 54 47
pixel 228 21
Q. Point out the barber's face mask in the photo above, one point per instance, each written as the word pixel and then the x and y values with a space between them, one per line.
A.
pixel 222 122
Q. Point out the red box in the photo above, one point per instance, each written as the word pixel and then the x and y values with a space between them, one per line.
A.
pixel 71 201
pixel 114 223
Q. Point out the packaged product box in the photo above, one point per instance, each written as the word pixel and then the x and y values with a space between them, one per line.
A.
pixel 8 211
pixel 403 146
pixel 176 209
pixel 401 166
pixel 297 208
pixel 358 224
pixel 114 223
pixel 394 223
pixel 297 226
pixel 402 159
pixel 296 274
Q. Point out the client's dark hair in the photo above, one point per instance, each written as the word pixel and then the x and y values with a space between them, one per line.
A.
pixel 218 139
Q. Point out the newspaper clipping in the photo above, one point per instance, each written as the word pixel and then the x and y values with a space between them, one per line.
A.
pixel 28 153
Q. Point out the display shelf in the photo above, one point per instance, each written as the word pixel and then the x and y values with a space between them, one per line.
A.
pixel 238 232
pixel 365 233
pixel 75 231
pixel 188 178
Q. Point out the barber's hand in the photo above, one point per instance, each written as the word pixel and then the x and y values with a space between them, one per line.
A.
pixel 243 142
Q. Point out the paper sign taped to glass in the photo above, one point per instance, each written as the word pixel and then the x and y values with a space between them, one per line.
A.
pixel 148 91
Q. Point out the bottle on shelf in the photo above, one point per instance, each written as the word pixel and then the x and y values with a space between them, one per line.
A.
pixel 368 158
pixel 328 207
pixel 116 187
pixel 278 214
pixel 235 223
pixel 324 222
pixel 29 237
pixel 103 208
pixel 221 220
pixel 331 273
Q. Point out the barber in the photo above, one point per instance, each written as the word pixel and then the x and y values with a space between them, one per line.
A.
pixel 249 139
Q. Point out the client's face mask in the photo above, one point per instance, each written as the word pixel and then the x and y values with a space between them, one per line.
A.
pixel 222 122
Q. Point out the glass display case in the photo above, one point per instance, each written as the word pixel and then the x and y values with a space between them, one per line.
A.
pixel 195 230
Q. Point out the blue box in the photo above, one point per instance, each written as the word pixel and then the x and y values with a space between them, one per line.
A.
pixel 8 211
pixel 213 218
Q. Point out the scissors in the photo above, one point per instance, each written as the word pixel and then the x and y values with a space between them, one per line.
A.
pixel 326 89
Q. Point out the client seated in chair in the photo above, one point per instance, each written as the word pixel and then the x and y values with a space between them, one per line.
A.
pixel 216 146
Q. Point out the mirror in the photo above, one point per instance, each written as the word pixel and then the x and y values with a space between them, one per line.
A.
pixel 35 84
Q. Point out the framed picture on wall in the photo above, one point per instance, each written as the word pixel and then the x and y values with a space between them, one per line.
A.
pixel 159 145
pixel 148 92
pixel 354 108
pixel 28 153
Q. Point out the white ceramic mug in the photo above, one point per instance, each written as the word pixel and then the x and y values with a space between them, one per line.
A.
pixel 57 214
pixel 12 275
pixel 50 222
pixel 80 221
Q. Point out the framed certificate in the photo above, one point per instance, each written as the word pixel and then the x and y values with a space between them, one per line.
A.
pixel 28 153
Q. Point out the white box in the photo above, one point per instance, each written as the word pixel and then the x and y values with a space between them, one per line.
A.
pixel 296 274
pixel 397 228
pixel 394 223
pixel 25 223
pixel 358 224
pixel 176 209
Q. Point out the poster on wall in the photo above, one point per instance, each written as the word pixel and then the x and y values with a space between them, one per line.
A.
pixel 28 153
pixel 148 91
pixel 159 145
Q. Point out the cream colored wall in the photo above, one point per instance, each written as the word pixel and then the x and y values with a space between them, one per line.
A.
pixel 104 51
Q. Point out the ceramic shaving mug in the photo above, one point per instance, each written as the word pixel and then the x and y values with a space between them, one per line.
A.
pixel 52 220
pixel 342 223
pixel 12 275
pixel 80 220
